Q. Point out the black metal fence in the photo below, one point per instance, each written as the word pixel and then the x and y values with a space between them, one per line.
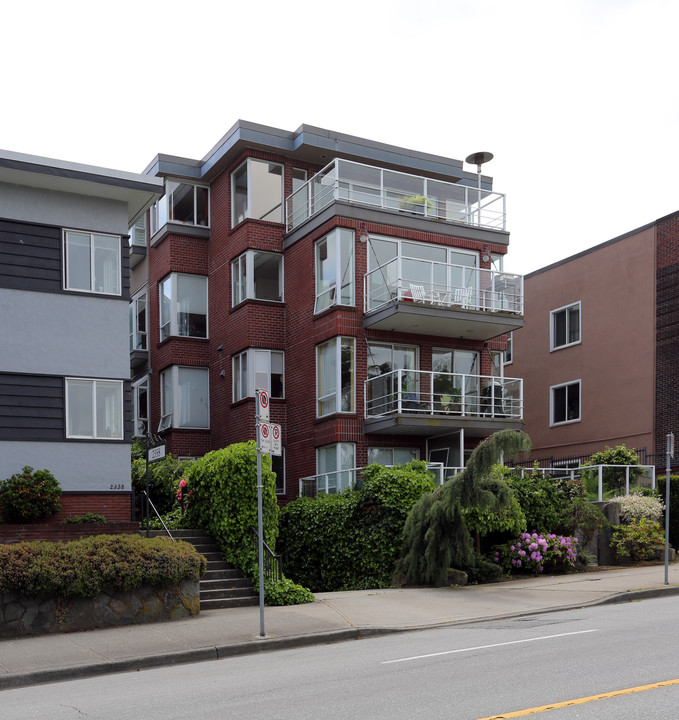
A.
pixel 572 461
pixel 273 563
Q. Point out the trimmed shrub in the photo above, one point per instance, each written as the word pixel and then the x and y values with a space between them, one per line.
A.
pixel 95 564
pixel 613 480
pixel 351 541
pixel 535 553
pixel 30 495
pixel 636 506
pixel 541 500
pixel 582 517
pixel 88 517
pixel 638 540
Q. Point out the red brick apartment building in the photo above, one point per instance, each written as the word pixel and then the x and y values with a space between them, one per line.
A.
pixel 358 283
pixel 600 347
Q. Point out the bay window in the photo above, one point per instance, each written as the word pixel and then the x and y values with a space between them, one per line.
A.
pixel 183 306
pixel 257 275
pixel 335 377
pixel 182 203
pixel 392 456
pixel 335 269
pixel 257 191
pixel 256 369
pixel 184 401
pixel 140 401
pixel 92 262
pixel 94 409
pixel 138 330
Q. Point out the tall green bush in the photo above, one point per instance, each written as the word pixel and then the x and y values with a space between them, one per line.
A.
pixel 351 541
pixel 163 478
pixel 540 499
pixel 29 495
pixel 224 502
pixel 613 479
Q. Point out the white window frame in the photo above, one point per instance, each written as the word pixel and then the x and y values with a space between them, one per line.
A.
pixel 119 434
pixel 136 417
pixel 571 383
pixel 565 309
pixel 280 490
pixel 167 419
pixel 344 237
pixel 135 330
pixel 336 392
pixel 248 210
pixel 371 450
pixel 137 233
pixel 342 478
pixel 173 322
pixel 248 258
pixel 509 352
pixel 92 289
pixel 250 356
pixel 161 211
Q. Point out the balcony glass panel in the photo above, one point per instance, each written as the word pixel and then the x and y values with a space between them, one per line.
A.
pixel 439 393
pixel 402 192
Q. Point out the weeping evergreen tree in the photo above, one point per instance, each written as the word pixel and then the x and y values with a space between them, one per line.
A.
pixel 435 534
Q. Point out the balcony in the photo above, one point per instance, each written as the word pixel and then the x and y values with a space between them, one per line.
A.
pixel 397 192
pixel 421 402
pixel 434 298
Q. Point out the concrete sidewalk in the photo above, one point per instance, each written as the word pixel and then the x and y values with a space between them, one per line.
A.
pixel 216 634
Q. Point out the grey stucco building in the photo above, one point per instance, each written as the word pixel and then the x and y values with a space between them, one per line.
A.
pixel 64 297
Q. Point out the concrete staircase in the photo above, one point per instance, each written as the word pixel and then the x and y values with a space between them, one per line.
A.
pixel 223 585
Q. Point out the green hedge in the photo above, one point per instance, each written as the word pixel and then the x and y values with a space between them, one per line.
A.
pixel 95 564
pixel 351 541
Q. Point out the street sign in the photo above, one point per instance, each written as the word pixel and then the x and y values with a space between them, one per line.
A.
pixel 276 444
pixel 263 405
pixel 156 453
pixel 265 437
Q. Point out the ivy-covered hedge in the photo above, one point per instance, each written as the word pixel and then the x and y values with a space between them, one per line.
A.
pixel 92 565
pixel 224 502
pixel 351 541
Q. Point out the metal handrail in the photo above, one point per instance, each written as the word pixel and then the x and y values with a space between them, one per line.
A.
pixel 458 394
pixel 273 562
pixel 143 492
pixel 432 283
pixel 435 199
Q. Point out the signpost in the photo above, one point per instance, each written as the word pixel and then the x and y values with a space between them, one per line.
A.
pixel 152 455
pixel 268 441
pixel 670 454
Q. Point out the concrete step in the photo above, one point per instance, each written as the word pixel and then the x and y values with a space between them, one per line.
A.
pixel 221 584
pixel 228 602
pixel 231 593
pixel 224 574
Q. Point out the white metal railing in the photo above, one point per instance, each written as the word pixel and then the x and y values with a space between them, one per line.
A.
pixel 441 394
pixel 607 477
pixel 392 190
pixel 340 480
pixel 443 285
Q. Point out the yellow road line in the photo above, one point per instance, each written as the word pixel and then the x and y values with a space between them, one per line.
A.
pixel 581 701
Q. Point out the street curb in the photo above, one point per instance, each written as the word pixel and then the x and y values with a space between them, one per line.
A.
pixel 181 657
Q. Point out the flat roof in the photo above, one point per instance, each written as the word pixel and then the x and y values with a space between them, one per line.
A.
pixel 314 145
pixel 136 190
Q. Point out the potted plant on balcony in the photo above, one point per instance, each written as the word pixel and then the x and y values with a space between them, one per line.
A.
pixel 416 204
pixel 451 401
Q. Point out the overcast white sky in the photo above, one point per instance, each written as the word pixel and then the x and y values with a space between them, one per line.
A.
pixel 578 100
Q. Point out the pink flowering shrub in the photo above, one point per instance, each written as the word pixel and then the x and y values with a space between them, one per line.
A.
pixel 535 553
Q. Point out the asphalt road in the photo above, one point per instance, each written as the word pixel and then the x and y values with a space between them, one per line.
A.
pixel 483 670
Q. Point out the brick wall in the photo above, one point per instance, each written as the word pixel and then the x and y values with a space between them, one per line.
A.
pixel 290 326
pixel 667 330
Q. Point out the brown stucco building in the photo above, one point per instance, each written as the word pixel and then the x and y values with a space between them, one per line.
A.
pixel 598 353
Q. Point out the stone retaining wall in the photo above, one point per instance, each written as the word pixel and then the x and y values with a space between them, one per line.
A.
pixel 51 614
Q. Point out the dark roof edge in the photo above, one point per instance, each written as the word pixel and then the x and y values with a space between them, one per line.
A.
pixel 594 248
pixel 76 171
